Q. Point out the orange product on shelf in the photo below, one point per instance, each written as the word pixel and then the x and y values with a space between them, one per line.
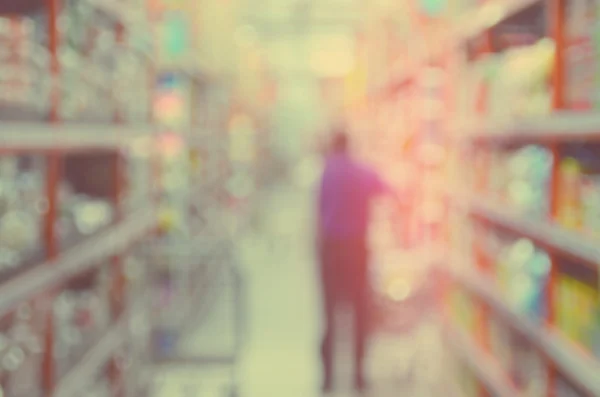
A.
pixel 569 213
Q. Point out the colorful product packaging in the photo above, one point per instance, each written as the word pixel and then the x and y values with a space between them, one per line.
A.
pixel 577 302
pixel 590 198
pixel 580 54
pixel 569 195
pixel 523 272
pixel 528 369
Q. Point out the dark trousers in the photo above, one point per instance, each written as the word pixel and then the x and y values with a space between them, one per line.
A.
pixel 345 278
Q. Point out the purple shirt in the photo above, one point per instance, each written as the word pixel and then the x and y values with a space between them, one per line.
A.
pixel 346 192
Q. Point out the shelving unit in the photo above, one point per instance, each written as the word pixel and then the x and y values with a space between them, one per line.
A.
pixel 579 367
pixel 81 301
pixel 520 133
pixel 486 369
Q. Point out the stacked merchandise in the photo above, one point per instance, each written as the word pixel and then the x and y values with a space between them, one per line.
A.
pixel 511 85
pixel 524 197
pixel 88 53
pixel 531 208
pixel 21 346
pixel 22 206
pixel 101 67
pixel 67 294
pixel 81 317
pixel 518 178
pixel 24 59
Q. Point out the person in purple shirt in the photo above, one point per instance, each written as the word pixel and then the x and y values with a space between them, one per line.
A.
pixel 346 192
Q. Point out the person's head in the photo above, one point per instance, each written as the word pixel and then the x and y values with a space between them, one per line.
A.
pixel 340 142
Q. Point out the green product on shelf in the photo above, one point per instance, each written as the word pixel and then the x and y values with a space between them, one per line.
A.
pixel 523 274
pixel 527 180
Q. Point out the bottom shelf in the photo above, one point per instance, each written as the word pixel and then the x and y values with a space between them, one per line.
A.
pixel 485 367
pixel 579 368
pixel 86 370
pixel 75 382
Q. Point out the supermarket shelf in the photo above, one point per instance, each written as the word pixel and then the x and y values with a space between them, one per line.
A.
pixel 578 367
pixel 487 371
pixel 558 127
pixel 489 15
pixel 82 257
pixel 21 137
pixel 550 236
pixel 88 368
pixel 119 10
pixel 471 24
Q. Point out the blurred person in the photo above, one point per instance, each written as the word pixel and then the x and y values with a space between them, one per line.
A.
pixel 346 192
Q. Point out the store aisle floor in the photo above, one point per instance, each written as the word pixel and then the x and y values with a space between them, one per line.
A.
pixel 280 356
pixel 283 321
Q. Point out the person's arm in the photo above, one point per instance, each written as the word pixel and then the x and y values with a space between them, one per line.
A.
pixel 378 186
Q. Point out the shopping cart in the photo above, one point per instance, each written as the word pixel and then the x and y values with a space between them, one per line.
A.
pixel 198 292
pixel 405 332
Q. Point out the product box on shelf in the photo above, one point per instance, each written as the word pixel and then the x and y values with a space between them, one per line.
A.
pixel 24 81
pixel 22 203
pixel 569 214
pixel 139 178
pixel 522 272
pixel 590 200
pixel 21 350
pixel 525 175
pixel 81 316
pixel 578 208
pixel 512 83
pixel 528 369
pixel 581 55
pixel 577 304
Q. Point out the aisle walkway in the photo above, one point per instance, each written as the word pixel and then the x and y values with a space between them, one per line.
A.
pixel 283 326
pixel 280 352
